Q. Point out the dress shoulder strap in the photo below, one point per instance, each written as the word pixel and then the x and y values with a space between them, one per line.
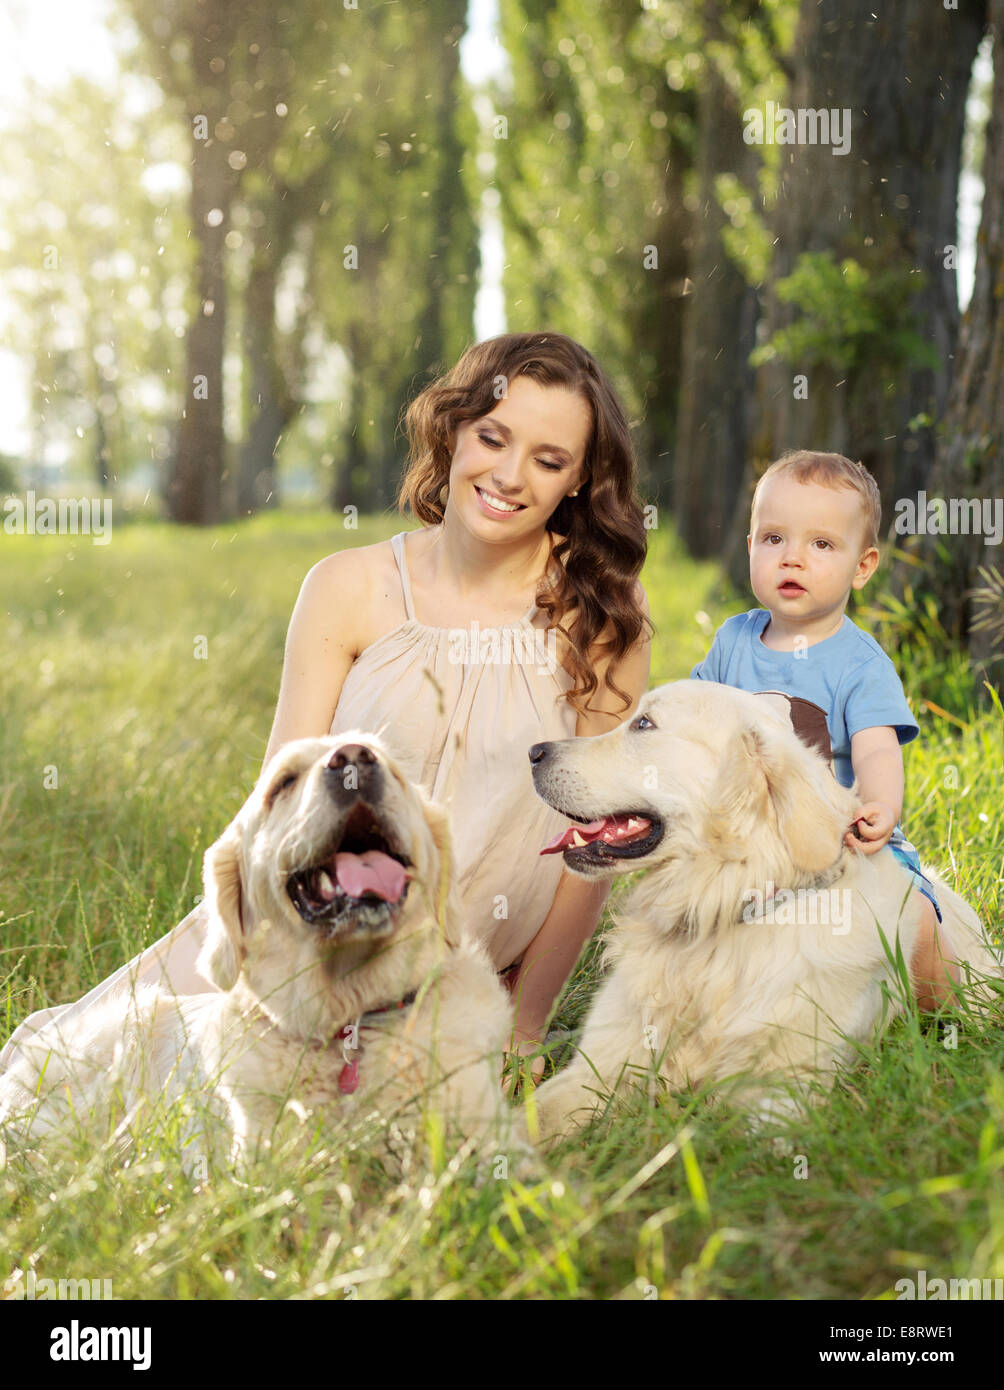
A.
pixel 397 545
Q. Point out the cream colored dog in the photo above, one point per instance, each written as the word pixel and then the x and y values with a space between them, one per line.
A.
pixel 752 948
pixel 344 980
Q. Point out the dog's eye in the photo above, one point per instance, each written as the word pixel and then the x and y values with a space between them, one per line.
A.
pixel 642 722
pixel 280 786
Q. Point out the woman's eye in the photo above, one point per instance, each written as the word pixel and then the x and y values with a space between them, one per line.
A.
pixel 642 722
pixel 498 444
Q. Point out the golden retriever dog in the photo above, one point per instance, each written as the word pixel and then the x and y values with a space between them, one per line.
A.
pixel 753 946
pixel 343 977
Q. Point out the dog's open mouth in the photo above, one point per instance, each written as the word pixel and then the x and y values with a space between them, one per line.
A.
pixel 625 835
pixel 357 886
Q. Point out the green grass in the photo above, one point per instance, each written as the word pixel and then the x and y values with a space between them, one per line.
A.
pixel 154 750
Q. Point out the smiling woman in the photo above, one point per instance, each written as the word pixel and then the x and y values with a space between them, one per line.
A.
pixel 527 430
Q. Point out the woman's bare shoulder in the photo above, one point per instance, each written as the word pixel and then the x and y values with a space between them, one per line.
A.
pixel 354 565
pixel 364 584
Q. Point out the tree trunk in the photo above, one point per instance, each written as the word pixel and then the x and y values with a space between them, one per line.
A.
pixel 659 329
pixel 970 458
pixel 450 198
pixel 889 203
pixel 718 332
pixel 101 474
pixel 271 405
pixel 353 482
pixel 196 473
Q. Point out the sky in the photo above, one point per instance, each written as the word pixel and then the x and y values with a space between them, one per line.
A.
pixel 50 39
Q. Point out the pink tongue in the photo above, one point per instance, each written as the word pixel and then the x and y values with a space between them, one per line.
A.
pixel 589 832
pixel 372 872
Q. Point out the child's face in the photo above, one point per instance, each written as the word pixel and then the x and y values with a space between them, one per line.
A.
pixel 807 549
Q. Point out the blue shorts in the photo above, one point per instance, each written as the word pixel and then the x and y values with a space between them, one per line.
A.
pixel 909 858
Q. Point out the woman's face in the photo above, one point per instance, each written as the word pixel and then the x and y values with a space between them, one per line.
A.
pixel 526 453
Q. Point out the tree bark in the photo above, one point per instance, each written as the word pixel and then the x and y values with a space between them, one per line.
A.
pixel 970 457
pixel 194 482
pixel 718 332
pixel 272 403
pixel 890 204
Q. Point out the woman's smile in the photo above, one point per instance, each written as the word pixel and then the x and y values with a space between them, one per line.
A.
pixel 494 505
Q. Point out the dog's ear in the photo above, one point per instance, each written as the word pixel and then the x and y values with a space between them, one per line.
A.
pixel 738 799
pixel 769 776
pixel 224 949
pixel 443 892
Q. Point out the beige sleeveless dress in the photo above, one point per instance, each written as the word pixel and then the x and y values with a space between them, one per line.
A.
pixel 459 708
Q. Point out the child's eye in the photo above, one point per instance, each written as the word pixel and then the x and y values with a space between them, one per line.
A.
pixel 769 540
pixel 824 545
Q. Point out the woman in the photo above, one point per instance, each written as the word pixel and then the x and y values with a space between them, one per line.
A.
pixel 523 474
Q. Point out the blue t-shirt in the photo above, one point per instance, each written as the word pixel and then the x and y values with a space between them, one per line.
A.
pixel 848 675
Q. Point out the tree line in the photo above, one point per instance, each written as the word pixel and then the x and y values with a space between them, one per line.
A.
pixel 747 211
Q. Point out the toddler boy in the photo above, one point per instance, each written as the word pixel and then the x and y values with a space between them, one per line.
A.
pixel 813 538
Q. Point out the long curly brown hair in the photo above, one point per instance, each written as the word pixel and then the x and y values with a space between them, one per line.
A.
pixel 604 543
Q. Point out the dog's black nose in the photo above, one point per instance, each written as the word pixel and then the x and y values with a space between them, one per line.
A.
pixel 355 753
pixel 539 752
pixel 354 771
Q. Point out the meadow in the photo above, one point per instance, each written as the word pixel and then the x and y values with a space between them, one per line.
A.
pixel 137 688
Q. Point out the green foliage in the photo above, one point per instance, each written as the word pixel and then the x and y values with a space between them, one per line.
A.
pixel 849 317
pixel 600 106
pixel 988 604
pixel 747 239
pixel 931 666
pixel 91 296
pixel 338 134
pixel 8 473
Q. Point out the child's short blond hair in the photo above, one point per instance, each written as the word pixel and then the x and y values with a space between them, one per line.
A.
pixel 831 470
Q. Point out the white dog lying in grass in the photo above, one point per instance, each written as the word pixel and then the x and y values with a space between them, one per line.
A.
pixel 753 945
pixel 341 971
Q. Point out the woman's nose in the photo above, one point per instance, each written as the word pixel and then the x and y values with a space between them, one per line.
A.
pixel 507 474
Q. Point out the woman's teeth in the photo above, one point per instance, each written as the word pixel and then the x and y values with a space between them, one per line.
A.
pixel 495 504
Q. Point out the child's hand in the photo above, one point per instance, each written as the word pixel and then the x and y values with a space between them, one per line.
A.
pixel 874 824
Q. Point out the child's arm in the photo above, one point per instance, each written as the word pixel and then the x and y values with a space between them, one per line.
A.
pixel 878 768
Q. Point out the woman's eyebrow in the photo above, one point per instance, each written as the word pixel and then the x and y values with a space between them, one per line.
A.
pixel 555 448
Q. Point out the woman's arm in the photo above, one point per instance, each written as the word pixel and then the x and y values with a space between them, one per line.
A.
pixel 578 903
pixel 321 645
